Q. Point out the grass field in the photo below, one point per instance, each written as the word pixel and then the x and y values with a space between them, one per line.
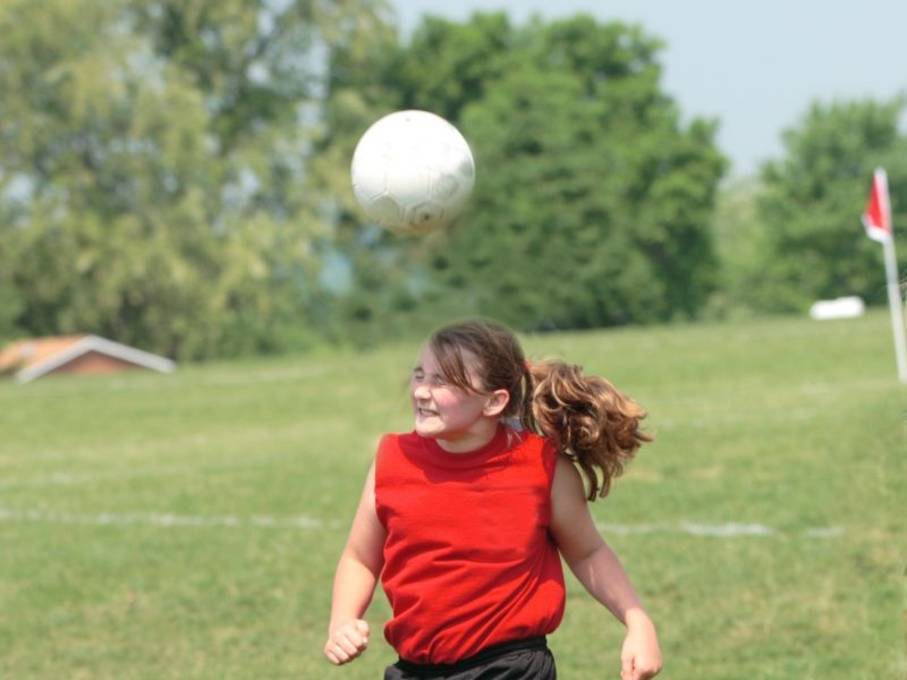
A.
pixel 187 526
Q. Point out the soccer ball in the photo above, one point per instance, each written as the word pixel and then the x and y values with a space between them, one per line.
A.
pixel 412 172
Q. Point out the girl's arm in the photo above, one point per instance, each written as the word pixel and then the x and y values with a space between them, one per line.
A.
pixel 599 570
pixel 355 579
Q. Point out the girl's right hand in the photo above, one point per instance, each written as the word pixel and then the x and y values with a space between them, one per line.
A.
pixel 346 642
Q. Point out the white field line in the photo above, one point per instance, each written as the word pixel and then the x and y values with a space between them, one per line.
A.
pixel 71 478
pixel 728 530
pixel 823 532
pixel 163 520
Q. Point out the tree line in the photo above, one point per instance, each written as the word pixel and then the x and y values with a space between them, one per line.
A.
pixel 174 174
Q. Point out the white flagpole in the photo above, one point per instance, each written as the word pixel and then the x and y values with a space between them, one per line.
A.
pixel 894 301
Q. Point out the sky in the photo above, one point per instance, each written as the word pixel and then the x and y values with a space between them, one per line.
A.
pixel 755 66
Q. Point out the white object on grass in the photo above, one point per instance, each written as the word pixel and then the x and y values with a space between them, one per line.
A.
pixel 840 308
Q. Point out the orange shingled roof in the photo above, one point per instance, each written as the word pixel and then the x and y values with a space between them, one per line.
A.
pixel 26 353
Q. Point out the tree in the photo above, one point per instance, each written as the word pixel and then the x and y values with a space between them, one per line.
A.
pixel 813 245
pixel 152 181
pixel 592 200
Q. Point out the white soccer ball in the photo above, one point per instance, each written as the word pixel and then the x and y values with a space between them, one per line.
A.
pixel 412 172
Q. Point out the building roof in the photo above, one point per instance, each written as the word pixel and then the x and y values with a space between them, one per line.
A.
pixel 33 358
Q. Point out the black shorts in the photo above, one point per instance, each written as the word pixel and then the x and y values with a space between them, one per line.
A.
pixel 528 659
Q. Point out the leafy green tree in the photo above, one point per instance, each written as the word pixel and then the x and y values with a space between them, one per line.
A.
pixel 152 168
pixel 813 244
pixel 592 199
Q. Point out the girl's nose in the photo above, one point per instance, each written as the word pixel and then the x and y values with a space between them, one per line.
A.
pixel 421 392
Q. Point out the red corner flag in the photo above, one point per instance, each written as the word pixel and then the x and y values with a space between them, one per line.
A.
pixel 877 220
pixel 877 216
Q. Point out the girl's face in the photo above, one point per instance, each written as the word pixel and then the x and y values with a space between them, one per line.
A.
pixel 446 412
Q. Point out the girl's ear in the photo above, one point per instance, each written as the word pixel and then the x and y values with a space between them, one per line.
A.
pixel 497 402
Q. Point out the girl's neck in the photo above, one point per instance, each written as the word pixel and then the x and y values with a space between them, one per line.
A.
pixel 474 438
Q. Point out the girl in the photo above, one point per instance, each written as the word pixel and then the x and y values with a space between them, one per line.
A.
pixel 465 518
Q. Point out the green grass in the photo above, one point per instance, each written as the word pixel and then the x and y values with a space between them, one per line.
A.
pixel 790 424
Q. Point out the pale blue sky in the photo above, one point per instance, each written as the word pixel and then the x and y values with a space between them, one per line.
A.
pixel 755 65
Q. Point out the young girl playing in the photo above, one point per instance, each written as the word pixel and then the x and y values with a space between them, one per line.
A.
pixel 465 519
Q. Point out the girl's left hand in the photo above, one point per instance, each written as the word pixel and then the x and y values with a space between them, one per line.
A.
pixel 640 656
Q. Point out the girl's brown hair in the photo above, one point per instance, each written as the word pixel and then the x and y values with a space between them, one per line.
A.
pixel 586 416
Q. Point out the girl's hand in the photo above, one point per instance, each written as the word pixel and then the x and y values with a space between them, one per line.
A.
pixel 346 642
pixel 640 657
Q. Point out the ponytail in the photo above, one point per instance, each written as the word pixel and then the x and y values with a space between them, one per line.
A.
pixel 587 417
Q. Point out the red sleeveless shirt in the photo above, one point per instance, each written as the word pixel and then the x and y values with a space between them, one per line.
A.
pixel 468 560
